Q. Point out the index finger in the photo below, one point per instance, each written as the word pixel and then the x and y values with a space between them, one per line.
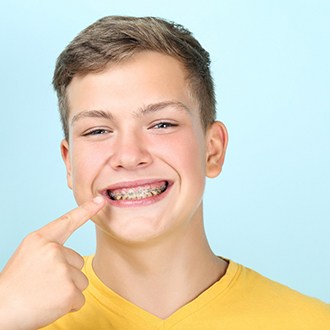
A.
pixel 62 228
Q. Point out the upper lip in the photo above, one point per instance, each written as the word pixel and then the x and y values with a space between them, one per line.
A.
pixel 133 184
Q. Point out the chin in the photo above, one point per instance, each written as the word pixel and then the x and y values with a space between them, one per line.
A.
pixel 134 231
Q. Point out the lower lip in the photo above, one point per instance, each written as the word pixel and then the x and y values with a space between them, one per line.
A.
pixel 139 202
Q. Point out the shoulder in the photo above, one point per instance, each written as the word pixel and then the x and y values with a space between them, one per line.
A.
pixel 272 297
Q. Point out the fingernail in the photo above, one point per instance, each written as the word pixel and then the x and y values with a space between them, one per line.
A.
pixel 98 199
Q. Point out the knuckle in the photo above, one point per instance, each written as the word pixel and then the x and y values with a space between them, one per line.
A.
pixel 72 292
pixel 63 272
pixel 34 241
pixel 54 250
pixel 69 293
pixel 66 221
pixel 79 302
pixel 74 254
pixel 85 282
pixel 54 246
pixel 74 258
pixel 80 261
pixel 33 237
pixel 66 218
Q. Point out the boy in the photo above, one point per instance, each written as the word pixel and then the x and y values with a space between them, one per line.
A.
pixel 138 111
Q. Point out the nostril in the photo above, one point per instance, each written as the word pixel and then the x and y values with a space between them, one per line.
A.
pixel 130 161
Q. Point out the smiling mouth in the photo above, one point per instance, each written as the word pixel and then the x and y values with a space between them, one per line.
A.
pixel 139 192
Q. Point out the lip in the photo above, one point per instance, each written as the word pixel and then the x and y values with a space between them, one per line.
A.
pixel 133 184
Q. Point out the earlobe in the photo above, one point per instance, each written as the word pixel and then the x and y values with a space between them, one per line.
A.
pixel 217 139
pixel 66 158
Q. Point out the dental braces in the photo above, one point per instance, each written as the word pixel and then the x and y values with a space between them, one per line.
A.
pixel 132 194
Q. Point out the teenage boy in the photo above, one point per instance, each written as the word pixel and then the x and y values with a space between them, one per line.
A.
pixel 138 110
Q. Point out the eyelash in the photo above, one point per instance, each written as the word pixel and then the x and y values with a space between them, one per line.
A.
pixel 164 123
pixel 101 131
pixel 98 131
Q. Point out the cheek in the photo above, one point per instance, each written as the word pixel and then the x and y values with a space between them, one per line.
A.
pixel 86 164
pixel 193 164
pixel 184 152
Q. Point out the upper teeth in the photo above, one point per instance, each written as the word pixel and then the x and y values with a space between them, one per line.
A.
pixel 137 193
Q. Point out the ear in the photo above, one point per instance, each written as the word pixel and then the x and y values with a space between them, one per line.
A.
pixel 66 158
pixel 216 145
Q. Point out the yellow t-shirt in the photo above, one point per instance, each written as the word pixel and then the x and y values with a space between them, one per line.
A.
pixel 241 299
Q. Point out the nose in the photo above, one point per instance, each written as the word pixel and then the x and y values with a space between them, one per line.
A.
pixel 129 152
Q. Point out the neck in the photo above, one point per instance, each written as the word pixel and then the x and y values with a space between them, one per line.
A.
pixel 160 277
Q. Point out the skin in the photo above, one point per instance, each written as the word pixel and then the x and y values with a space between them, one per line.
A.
pixel 152 252
pixel 42 281
pixel 136 244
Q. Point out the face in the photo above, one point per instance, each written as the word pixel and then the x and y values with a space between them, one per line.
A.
pixel 135 137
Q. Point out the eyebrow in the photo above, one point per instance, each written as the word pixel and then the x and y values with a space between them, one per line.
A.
pixel 91 114
pixel 153 107
pixel 161 105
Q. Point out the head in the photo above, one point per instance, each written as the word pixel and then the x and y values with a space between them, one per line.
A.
pixel 139 98
pixel 114 39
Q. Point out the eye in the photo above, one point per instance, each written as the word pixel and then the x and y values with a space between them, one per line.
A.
pixel 98 131
pixel 164 125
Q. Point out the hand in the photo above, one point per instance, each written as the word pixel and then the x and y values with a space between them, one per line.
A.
pixel 43 280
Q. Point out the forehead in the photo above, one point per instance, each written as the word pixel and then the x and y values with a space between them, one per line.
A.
pixel 146 78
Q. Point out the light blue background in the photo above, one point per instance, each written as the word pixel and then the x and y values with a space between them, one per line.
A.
pixel 270 208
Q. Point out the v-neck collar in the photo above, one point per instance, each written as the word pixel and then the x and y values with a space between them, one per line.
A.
pixel 108 298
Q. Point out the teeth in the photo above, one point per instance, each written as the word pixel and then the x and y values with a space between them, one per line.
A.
pixel 136 194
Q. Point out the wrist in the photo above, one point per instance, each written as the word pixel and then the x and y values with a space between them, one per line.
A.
pixel 7 321
pixel 9 316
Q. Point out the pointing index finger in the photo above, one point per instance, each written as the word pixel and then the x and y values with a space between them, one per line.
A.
pixel 62 228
